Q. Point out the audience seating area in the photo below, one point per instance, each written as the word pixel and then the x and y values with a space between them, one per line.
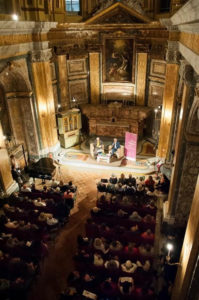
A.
pixel 30 220
pixel 115 258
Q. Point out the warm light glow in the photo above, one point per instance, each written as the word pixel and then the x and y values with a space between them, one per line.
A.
pixel 168 114
pixel 169 246
pixel 59 105
pixel 42 108
pixel 15 17
pixel 4 137
pixel 181 113
pixel 156 110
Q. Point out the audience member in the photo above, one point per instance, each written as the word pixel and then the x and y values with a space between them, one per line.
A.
pixel 135 217
pixel 149 183
pixel 129 267
pixel 112 264
pixel 98 260
pixel 99 244
pixel 115 246
pixel 126 285
pixel 25 188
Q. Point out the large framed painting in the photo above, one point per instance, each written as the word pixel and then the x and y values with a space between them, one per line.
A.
pixel 118 60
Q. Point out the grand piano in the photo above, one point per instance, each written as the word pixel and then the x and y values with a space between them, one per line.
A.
pixel 43 169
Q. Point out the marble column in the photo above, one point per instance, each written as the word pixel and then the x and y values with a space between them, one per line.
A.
pixel 189 253
pixel 45 100
pixel 186 166
pixel 94 78
pixel 6 180
pixel 141 78
pixel 63 81
pixel 169 100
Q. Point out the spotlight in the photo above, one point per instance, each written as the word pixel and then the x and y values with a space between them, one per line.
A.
pixel 15 17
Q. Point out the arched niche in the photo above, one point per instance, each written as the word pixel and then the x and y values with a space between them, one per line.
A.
pixel 18 104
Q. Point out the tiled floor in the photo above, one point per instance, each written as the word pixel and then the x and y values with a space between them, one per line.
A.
pixel 56 267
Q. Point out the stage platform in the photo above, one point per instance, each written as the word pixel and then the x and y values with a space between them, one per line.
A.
pixel 73 157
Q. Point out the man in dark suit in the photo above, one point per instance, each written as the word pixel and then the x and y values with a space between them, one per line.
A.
pixel 115 146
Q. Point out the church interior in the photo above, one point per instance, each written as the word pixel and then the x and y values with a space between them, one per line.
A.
pixel 85 214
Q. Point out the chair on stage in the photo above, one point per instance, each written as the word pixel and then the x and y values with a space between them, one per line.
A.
pixel 92 149
pixel 120 151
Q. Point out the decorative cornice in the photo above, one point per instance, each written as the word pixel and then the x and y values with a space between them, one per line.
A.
pixel 22 38
pixel 168 24
pixel 115 8
pixel 134 4
pixel 25 27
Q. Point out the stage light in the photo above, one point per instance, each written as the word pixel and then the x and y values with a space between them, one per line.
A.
pixel 15 17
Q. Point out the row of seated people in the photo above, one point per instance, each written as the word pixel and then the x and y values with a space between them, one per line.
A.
pixel 132 185
pixel 129 249
pixel 26 208
pixel 112 267
pixel 58 187
pixel 90 285
pixel 123 234
pixel 126 219
pixel 118 249
pixel 27 224
pixel 127 203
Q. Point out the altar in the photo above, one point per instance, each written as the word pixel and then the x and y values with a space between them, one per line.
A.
pixel 114 120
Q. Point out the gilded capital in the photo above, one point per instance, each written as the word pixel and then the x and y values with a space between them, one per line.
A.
pixel 172 54
pixel 41 55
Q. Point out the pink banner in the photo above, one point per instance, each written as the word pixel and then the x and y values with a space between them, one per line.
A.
pixel 130 145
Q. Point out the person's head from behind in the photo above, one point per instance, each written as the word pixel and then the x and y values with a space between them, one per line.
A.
pixel 98 242
pixel 150 178
pixel 70 183
pixel 126 287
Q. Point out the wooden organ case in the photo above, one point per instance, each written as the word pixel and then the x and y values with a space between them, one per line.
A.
pixel 69 127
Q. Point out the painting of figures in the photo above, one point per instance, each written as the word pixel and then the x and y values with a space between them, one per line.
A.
pixel 118 60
